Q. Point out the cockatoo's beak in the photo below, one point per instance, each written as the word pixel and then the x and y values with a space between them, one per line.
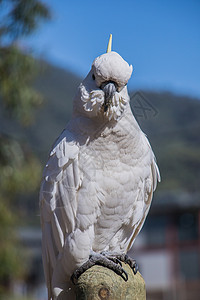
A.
pixel 109 44
pixel 109 88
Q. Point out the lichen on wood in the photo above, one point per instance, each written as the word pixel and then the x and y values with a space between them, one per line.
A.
pixel 100 283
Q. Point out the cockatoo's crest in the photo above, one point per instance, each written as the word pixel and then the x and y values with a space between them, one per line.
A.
pixel 109 44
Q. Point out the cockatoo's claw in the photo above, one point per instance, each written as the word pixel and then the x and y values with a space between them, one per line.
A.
pixel 122 258
pixel 112 263
pixel 132 263
pixel 112 257
pixel 124 275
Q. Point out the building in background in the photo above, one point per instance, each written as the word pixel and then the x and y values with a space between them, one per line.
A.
pixel 167 249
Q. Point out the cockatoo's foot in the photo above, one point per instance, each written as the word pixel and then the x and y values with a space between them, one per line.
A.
pixel 122 258
pixel 110 261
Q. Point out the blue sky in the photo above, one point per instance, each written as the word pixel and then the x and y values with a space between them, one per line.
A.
pixel 160 38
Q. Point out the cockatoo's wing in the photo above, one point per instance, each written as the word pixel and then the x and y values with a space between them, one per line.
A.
pixel 58 199
pixel 146 196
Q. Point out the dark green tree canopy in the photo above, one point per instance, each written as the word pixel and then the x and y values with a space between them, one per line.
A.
pixel 17 68
pixel 21 17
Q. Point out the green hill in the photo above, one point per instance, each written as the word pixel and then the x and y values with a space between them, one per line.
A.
pixel 57 87
pixel 172 124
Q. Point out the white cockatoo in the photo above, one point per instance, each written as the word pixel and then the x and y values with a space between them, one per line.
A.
pixel 98 182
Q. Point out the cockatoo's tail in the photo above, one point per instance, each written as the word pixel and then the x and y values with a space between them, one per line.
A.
pixel 109 44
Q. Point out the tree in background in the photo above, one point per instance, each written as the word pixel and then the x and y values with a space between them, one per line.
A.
pixel 19 18
pixel 19 168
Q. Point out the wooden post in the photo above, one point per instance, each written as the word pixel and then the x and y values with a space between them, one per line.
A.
pixel 100 283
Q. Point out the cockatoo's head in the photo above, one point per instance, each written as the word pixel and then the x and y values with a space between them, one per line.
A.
pixel 104 90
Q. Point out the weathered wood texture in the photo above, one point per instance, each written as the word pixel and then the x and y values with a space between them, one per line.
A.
pixel 100 283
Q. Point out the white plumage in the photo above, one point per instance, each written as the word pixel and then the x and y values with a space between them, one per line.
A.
pixel 99 179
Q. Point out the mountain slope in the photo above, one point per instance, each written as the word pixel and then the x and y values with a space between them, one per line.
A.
pixel 171 123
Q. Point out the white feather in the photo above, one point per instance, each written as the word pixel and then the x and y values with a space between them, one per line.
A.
pixel 99 179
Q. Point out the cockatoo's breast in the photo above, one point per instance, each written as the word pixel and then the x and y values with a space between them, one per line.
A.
pixel 115 162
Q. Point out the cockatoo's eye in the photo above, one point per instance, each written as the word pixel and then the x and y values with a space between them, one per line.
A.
pixel 93 77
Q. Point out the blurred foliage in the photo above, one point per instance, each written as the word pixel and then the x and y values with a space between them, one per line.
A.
pixel 19 175
pixel 21 17
pixel 16 73
pixel 17 68
pixel 19 168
